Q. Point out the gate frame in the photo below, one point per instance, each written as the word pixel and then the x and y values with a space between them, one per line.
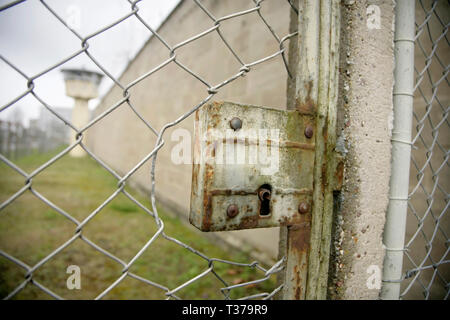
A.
pixel 313 88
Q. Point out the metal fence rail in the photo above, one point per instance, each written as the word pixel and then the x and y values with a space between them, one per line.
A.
pixel 210 91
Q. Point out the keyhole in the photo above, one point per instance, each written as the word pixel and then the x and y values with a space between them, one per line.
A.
pixel 264 194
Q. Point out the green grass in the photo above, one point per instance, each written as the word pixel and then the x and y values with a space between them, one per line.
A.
pixel 30 230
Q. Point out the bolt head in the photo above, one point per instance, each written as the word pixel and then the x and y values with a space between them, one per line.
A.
pixel 235 123
pixel 309 131
pixel 232 211
pixel 303 207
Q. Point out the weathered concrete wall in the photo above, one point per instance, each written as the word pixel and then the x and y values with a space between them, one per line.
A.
pixel 121 139
pixel 365 120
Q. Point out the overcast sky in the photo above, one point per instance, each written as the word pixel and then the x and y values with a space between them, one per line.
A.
pixel 33 39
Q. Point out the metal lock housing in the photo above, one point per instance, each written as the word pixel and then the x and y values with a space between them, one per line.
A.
pixel 253 167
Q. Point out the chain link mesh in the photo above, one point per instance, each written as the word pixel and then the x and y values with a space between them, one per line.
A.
pixel 426 271
pixel 426 263
pixel 210 90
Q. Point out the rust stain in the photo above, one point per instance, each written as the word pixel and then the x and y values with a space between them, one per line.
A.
pixel 300 236
pixel 215 120
pixel 213 151
pixel 268 143
pixel 299 245
pixel 231 192
pixel 298 282
pixel 197 116
pixel 284 221
pixel 217 104
pixel 297 293
pixel 249 222
pixel 324 177
pixel 207 199
pixel 303 191
pixel 339 175
pixel 297 145
pixel 195 169
pixel 209 173
pixel 295 219
pixel 213 115
pixel 309 106
pixel 207 203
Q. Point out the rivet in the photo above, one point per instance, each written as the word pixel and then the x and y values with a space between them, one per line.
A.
pixel 303 207
pixel 309 131
pixel 232 211
pixel 235 123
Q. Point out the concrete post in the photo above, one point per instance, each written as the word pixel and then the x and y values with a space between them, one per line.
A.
pixel 365 114
pixel 82 85
pixel 313 91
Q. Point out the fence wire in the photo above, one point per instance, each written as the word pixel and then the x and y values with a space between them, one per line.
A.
pixel 210 90
pixel 426 263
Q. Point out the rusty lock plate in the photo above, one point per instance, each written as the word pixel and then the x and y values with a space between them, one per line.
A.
pixel 253 167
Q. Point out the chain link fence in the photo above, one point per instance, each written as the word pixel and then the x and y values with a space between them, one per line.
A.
pixel 426 253
pixel 426 262
pixel 211 90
